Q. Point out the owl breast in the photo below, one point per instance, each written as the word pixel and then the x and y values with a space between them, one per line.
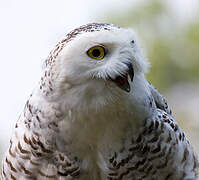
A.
pixel 155 149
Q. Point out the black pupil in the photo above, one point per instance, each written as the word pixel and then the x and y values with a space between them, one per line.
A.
pixel 96 52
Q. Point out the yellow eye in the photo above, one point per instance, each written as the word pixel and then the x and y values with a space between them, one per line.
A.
pixel 96 52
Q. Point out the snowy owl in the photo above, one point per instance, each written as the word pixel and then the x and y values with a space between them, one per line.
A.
pixel 94 116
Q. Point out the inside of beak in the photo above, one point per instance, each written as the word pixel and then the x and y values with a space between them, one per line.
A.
pixel 122 81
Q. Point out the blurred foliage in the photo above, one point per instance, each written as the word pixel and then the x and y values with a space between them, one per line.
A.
pixel 172 47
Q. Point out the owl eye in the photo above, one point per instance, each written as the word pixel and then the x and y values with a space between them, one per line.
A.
pixel 96 52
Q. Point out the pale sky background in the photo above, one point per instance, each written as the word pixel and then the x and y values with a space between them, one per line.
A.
pixel 28 31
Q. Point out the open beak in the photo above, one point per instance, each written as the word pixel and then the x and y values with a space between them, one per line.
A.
pixel 122 79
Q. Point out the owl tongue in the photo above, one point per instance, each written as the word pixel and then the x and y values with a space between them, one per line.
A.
pixel 122 82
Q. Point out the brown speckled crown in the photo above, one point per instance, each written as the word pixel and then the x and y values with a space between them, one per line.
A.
pixel 92 27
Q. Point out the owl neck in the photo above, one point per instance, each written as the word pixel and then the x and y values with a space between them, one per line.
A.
pixel 94 98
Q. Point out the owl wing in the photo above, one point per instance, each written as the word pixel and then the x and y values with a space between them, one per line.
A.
pixel 33 153
pixel 160 101
pixel 160 150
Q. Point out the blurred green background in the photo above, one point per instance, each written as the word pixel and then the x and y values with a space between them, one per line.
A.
pixel 172 47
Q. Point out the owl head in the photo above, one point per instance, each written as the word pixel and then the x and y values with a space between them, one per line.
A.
pixel 96 56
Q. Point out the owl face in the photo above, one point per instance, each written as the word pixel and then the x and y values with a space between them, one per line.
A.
pixel 106 56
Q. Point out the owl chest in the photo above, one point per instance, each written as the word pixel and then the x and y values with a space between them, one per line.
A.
pixel 102 149
pixel 117 151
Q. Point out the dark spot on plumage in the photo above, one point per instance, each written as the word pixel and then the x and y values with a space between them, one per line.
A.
pixel 114 173
pixel 169 138
pixel 43 148
pixel 23 151
pixel 151 126
pixel 154 139
pixel 175 128
pixel 111 159
pixel 114 163
pixel 167 120
pixel 196 163
pixel 180 136
pixel 134 148
pixel 172 125
pixel 145 149
pixel 4 172
pixel 168 176
pixel 109 178
pixel 139 139
pixel 185 154
pixel 10 151
pixel 150 130
pixel 150 103
pixel 164 116
pixel 13 177
pixel 25 157
pixel 56 49
pixel 156 124
pixel 157 149
pixel 38 154
pixel 75 158
pixel 33 146
pixel 144 132
pixel 16 126
pixel 130 156
pixel 123 162
pixel 115 155
pixel 183 136
pixel 46 175
pixel 38 119
pixel 75 173
pixel 61 157
pixel 132 168
pixel 176 140
pixel 160 155
pixel 10 165
pixel 35 133
pixel 145 165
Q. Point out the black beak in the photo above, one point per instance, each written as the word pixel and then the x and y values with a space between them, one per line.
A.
pixel 122 80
